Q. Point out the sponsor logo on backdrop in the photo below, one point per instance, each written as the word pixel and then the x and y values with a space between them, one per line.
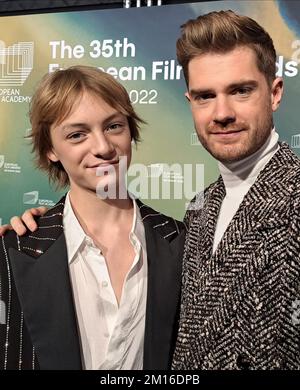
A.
pixel 194 139
pixel 32 198
pixel 295 141
pixel 9 167
pixel 16 63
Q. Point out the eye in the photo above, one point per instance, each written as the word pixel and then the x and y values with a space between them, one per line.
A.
pixel 243 91
pixel 115 128
pixel 202 98
pixel 76 137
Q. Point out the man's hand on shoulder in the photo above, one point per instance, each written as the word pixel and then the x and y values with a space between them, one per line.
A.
pixel 26 221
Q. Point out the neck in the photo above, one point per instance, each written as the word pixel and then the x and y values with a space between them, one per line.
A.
pixel 89 210
pixel 245 172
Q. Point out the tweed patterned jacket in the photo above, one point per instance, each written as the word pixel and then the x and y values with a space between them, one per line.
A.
pixel 38 326
pixel 240 305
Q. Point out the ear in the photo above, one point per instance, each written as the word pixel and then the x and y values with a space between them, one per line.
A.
pixel 52 156
pixel 187 95
pixel 276 93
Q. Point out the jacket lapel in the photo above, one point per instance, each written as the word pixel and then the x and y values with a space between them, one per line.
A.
pixel 164 281
pixel 41 274
pixel 225 277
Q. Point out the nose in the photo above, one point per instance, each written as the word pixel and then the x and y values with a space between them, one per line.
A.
pixel 224 113
pixel 101 146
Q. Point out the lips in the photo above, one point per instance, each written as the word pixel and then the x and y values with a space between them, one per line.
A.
pixel 227 132
pixel 104 164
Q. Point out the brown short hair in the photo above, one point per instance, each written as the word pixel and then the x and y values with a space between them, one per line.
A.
pixel 53 101
pixel 221 32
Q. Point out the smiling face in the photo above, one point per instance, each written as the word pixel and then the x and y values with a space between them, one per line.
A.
pixel 93 137
pixel 231 103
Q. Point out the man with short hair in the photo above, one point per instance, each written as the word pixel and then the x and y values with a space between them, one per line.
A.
pixel 241 266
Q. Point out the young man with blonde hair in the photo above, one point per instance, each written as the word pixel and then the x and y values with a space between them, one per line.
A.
pixel 97 284
pixel 241 266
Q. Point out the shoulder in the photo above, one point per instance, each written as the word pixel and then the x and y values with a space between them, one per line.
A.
pixel 285 164
pixel 168 227
pixel 196 205
pixel 286 172
pixel 50 227
pixel 9 240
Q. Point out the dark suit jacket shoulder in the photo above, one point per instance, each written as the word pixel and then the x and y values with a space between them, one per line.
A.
pixel 40 325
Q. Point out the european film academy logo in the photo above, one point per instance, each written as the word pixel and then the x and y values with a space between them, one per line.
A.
pixel 16 62
pixel 295 143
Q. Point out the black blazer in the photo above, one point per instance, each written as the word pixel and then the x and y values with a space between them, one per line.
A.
pixel 40 330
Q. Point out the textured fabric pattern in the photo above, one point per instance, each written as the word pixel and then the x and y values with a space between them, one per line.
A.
pixel 238 304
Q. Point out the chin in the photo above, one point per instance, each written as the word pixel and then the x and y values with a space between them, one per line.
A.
pixel 231 156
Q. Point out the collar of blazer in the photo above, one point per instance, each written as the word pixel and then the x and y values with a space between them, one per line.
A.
pixel 50 227
pixel 263 207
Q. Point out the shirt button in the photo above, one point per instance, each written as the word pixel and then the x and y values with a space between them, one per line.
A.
pixel 106 335
pixel 104 284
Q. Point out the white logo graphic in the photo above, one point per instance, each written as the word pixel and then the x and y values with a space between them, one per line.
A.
pixel 296 312
pixel 9 167
pixel 30 197
pixel 295 141
pixel 16 63
pixel 194 139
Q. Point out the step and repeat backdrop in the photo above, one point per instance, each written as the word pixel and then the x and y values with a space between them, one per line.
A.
pixel 137 46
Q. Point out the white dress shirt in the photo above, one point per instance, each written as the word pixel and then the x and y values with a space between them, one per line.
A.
pixel 112 335
pixel 238 177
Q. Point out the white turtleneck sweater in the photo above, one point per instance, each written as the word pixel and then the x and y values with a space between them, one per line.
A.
pixel 238 177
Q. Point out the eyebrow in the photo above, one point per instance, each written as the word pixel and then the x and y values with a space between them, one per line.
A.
pixel 230 87
pixel 116 115
pixel 70 126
